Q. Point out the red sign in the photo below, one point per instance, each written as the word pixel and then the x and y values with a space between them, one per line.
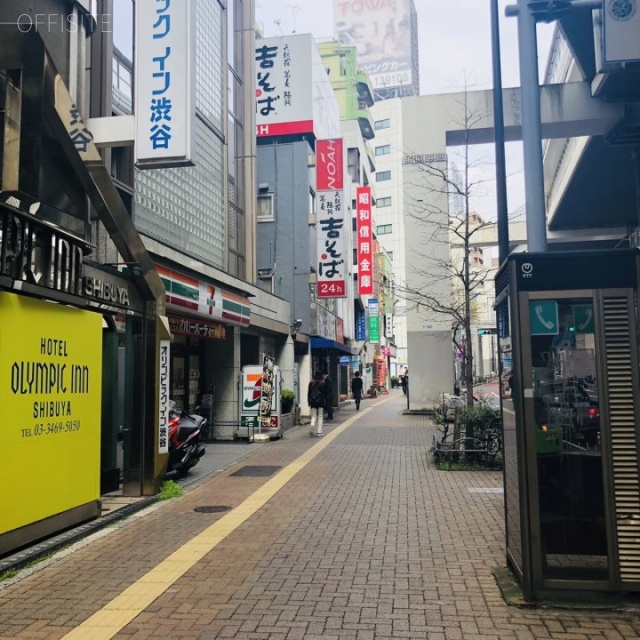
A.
pixel 340 330
pixel 329 165
pixel 364 241
pixel 284 128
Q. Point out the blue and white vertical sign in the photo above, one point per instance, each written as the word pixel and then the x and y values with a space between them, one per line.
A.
pixel 164 87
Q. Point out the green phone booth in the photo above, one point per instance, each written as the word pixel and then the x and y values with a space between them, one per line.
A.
pixel 567 326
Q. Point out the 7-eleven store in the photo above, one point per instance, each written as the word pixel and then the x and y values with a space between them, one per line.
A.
pixel 205 321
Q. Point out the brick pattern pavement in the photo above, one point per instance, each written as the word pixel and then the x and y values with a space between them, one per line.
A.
pixel 368 541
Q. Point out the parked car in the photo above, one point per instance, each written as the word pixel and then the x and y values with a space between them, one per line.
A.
pixel 574 408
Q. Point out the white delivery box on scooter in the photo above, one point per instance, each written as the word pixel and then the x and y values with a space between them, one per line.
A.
pixel 254 404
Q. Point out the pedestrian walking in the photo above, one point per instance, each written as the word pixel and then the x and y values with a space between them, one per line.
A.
pixel 356 389
pixel 316 396
pixel 328 400
pixel 405 382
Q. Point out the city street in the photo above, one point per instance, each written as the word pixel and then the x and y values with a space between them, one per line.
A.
pixel 353 535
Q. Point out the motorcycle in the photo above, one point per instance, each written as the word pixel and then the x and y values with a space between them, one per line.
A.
pixel 185 449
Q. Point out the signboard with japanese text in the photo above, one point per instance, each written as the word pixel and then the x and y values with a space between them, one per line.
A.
pixel 330 219
pixel 293 92
pixel 364 238
pixel 361 326
pixel 164 83
pixel 51 390
pixel 380 30
pixel 374 329
pixel 388 325
pixel 164 379
pixel 329 164
pixel 197 328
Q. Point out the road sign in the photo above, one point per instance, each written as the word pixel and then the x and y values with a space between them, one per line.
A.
pixel 543 317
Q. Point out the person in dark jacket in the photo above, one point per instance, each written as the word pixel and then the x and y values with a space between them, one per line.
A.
pixel 356 389
pixel 316 398
pixel 328 403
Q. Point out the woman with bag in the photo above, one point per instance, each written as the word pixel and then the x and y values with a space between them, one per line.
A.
pixel 315 397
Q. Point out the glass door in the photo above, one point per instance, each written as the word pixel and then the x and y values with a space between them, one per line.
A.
pixel 563 420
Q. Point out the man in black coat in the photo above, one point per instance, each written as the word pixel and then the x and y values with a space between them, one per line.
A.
pixel 356 389
pixel 328 402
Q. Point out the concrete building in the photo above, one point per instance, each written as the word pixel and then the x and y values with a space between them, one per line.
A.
pixel 385 36
pixel 199 223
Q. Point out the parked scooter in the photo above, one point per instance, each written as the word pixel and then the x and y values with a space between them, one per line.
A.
pixel 185 449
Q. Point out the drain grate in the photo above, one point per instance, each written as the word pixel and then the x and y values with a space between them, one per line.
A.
pixel 218 508
pixel 256 471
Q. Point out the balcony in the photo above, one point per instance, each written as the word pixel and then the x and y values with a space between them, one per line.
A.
pixel 363 86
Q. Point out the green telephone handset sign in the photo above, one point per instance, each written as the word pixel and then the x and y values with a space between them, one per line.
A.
pixel 543 317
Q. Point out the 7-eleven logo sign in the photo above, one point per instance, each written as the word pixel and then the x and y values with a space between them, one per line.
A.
pixel 251 390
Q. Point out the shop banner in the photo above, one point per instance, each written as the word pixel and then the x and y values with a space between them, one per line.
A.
pixel 266 391
pixel 164 379
pixel 374 329
pixel 164 86
pixel 51 390
pixel 332 281
pixel 329 165
pixel 361 326
pixel 364 240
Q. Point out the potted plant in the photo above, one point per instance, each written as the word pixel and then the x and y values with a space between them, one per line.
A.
pixel 287 398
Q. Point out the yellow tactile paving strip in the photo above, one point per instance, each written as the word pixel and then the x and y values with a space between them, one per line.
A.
pixel 117 614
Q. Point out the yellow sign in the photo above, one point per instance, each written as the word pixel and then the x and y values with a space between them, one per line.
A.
pixel 50 391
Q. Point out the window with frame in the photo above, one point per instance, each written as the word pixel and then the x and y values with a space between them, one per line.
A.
pixel 383 229
pixel 383 150
pixel 382 124
pixel 383 202
pixel 265 210
pixel 383 176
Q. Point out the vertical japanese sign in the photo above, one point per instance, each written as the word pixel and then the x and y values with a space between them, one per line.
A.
pixel 283 86
pixel 163 397
pixel 374 320
pixel 330 219
pixel 364 241
pixel 361 326
pixel 164 105
pixel 266 392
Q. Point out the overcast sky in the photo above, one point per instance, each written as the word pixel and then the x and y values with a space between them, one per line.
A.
pixel 454 37
pixel 455 42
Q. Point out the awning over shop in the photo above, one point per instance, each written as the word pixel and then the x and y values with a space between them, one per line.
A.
pixel 205 299
pixel 326 343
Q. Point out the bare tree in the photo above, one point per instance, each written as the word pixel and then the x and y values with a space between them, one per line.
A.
pixel 440 208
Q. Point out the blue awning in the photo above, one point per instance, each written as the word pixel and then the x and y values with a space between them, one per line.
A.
pixel 325 343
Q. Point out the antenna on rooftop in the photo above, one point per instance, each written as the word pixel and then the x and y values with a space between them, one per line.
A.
pixel 294 9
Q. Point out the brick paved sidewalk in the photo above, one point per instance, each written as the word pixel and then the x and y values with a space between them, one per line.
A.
pixel 367 541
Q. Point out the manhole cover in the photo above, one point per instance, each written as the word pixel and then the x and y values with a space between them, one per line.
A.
pixel 255 471
pixel 213 509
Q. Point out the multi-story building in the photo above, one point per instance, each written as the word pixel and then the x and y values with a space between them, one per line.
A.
pixel 385 36
pixel 296 110
pixel 386 40
pixel 129 286
pixel 199 223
